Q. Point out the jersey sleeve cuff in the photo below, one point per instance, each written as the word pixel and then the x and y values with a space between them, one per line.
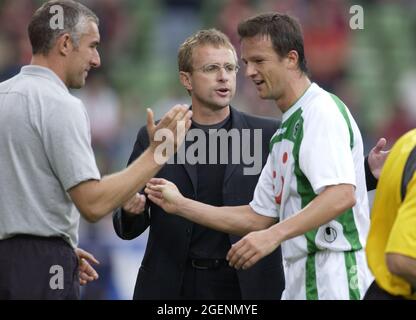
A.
pixel 263 211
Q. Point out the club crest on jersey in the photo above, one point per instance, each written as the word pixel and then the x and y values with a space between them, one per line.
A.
pixel 296 128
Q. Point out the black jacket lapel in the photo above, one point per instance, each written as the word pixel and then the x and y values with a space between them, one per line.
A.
pixel 237 122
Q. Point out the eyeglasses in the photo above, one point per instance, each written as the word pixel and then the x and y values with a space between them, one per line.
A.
pixel 216 68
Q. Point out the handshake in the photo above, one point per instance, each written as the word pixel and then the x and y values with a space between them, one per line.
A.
pixel 161 192
pixel 242 254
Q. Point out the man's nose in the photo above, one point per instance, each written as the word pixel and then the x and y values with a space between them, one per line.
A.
pixel 223 75
pixel 96 60
pixel 250 70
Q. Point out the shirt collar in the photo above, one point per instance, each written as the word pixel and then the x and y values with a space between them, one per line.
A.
pixel 298 104
pixel 39 71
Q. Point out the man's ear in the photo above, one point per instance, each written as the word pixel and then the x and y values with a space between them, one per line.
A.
pixel 185 79
pixel 64 44
pixel 293 59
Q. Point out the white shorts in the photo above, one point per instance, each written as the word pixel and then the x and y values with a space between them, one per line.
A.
pixel 327 275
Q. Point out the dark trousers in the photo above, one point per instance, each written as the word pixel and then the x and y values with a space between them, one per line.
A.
pixel 374 292
pixel 36 268
pixel 217 283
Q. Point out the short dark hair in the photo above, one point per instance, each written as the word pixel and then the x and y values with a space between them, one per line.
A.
pixel 75 15
pixel 211 36
pixel 284 31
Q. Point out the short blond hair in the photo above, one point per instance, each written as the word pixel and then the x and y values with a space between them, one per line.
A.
pixel 212 37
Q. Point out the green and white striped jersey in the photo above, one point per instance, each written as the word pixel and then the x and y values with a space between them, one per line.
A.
pixel 317 145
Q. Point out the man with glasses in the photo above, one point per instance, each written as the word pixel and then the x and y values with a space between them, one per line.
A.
pixel 185 260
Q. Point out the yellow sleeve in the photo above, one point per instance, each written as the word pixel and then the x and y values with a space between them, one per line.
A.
pixel 402 237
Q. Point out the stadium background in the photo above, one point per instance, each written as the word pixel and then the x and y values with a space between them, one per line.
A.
pixel 372 70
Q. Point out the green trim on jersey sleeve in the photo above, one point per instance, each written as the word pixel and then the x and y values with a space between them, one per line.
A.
pixel 347 218
pixel 304 187
pixel 342 108
pixel 306 193
pixel 349 229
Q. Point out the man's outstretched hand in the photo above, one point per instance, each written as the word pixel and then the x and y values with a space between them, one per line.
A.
pixel 164 194
pixel 377 157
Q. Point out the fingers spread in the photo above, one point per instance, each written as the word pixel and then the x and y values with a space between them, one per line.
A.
pixel 170 118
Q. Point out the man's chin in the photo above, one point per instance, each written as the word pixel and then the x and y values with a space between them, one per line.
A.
pixel 262 95
pixel 220 106
pixel 77 85
pixel 224 102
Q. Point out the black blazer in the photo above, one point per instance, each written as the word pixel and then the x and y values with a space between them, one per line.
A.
pixel 162 270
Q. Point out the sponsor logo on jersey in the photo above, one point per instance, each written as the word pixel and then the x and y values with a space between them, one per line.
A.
pixel 280 131
pixel 330 234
